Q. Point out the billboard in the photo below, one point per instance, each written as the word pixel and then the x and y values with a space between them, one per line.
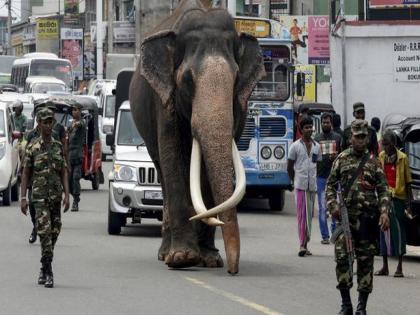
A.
pixel 72 49
pixel 47 28
pixel 389 4
pixel 319 40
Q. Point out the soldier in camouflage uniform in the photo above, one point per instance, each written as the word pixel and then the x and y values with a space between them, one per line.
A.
pixel 45 164
pixel 77 138
pixel 58 133
pixel 368 204
pixel 19 118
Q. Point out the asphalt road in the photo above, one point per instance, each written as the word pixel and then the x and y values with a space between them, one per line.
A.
pixel 100 274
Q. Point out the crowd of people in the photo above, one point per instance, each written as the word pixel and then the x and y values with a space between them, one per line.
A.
pixel 51 157
pixel 374 179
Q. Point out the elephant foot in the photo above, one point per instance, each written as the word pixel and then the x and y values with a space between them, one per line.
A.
pixel 163 252
pixel 210 258
pixel 182 258
pixel 165 245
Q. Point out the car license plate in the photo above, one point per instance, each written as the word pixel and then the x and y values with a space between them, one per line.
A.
pixel 155 195
pixel 271 166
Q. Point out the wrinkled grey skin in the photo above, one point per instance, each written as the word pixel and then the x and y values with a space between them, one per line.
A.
pixel 193 80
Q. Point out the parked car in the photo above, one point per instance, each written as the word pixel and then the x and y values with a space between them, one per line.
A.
pixel 44 84
pixel 107 110
pixel 9 156
pixel 134 186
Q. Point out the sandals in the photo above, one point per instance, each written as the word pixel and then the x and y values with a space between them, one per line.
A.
pixel 381 273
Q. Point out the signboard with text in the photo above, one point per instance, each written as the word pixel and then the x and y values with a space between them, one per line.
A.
pixel 319 40
pixel 47 28
pixel 384 4
pixel 257 28
pixel 406 60
pixel 310 81
pixel 72 49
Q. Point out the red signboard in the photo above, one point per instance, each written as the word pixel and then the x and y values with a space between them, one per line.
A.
pixel 381 4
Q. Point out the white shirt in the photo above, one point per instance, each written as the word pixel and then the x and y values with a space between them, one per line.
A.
pixel 305 165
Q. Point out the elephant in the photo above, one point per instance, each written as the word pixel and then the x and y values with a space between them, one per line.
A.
pixel 188 97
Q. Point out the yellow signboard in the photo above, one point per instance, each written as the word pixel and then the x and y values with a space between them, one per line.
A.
pixel 47 28
pixel 256 28
pixel 310 81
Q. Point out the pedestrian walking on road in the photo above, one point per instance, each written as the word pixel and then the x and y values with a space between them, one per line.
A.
pixel 372 144
pixel 329 142
pixel 45 165
pixel 304 154
pixel 18 116
pixel 76 138
pixel 398 175
pixel 367 200
pixel 58 133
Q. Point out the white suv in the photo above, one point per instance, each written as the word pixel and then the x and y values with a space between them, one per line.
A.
pixel 9 156
pixel 134 187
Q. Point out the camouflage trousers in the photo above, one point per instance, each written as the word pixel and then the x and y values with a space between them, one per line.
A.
pixel 74 180
pixel 364 252
pixel 48 223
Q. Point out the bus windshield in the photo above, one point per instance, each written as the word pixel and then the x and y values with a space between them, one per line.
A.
pixel 55 68
pixel 275 84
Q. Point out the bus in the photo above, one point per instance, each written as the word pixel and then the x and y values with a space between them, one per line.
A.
pixel 41 64
pixel 269 128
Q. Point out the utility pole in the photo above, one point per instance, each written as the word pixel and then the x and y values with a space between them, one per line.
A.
pixel 343 59
pixel 110 26
pixel 139 25
pixel 9 27
pixel 231 6
pixel 99 42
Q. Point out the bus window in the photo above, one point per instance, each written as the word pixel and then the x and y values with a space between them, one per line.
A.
pixel 59 69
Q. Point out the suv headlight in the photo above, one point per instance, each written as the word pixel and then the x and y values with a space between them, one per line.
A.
pixel 2 149
pixel 125 173
pixel 416 194
pixel 108 129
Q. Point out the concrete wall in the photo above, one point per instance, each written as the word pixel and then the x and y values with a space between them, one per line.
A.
pixel 370 71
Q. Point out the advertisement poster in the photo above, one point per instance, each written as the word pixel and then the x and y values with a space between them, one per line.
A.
pixel 72 49
pixel 383 4
pixel 47 28
pixel 298 33
pixel 319 40
pixel 89 59
pixel 310 82
pixel 406 60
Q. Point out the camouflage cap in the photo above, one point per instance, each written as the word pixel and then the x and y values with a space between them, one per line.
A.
pixel 359 127
pixel 44 113
pixel 358 106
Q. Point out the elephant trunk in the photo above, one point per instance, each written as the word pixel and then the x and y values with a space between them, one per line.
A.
pixel 212 126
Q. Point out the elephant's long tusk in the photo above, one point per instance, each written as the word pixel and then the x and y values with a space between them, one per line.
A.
pixel 237 194
pixel 195 185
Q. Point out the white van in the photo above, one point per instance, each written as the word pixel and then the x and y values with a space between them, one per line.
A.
pixel 134 187
pixel 107 111
pixel 9 156
pixel 43 84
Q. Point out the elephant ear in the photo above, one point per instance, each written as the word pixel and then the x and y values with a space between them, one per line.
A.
pixel 157 63
pixel 251 67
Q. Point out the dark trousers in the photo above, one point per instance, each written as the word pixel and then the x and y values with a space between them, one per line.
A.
pixel 74 180
pixel 32 211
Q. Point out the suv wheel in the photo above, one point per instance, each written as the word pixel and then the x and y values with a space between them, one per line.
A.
pixel 115 221
pixel 15 192
pixel 7 196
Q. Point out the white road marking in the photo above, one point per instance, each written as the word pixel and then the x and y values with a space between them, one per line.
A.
pixel 255 306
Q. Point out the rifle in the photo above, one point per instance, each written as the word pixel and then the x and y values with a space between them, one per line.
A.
pixel 344 228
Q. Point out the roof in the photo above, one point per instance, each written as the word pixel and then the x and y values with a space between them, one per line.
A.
pixel 315 107
pixel 87 102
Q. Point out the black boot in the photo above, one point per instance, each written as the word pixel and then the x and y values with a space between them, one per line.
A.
pixel 41 277
pixel 346 306
pixel 32 237
pixel 361 307
pixel 49 277
pixel 75 206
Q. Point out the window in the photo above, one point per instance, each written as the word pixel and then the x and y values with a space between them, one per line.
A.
pixel 110 106
pixel 128 133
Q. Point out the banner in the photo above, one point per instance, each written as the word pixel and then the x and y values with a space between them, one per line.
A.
pixel 72 49
pixel 406 60
pixel 384 4
pixel 319 40
pixel 47 28
pixel 298 32
pixel 310 81
pixel 257 28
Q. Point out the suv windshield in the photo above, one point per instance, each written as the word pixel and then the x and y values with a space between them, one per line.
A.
pixel 110 106
pixel 414 154
pixel 127 132
pixel 48 87
pixel 2 127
